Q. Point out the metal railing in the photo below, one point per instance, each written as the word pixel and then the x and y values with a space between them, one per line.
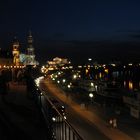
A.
pixel 61 128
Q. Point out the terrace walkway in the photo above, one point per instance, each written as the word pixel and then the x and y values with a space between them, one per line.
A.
pixel 20 116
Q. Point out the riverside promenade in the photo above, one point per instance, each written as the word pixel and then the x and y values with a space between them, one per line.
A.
pixel 20 116
pixel 113 134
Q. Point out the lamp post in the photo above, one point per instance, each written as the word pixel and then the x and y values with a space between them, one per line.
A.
pixel 91 97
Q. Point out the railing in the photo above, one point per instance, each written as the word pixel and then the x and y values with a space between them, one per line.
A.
pixel 61 128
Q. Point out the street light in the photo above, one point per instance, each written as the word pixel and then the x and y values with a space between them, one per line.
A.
pixel 64 80
pixel 92 84
pixel 53 79
pixel 74 76
pixel 91 97
pixel 89 59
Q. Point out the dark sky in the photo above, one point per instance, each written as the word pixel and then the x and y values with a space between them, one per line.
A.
pixel 63 27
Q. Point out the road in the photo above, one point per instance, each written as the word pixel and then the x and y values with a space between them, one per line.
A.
pixel 87 123
pixel 86 129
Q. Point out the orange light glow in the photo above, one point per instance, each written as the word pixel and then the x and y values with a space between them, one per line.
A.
pixel 130 85
pixel 106 70
pixel 100 75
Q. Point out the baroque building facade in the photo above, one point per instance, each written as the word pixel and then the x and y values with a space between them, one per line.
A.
pixel 27 58
pixel 15 52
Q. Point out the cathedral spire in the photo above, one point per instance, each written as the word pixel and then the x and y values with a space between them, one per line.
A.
pixel 30 33
pixel 30 51
pixel 30 39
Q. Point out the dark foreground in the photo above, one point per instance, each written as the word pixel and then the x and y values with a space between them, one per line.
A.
pixel 20 116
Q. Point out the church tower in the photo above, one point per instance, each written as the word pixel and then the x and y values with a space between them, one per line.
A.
pixel 30 51
pixel 16 59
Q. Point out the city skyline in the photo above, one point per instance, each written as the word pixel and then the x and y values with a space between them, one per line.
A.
pixel 58 26
pixel 70 69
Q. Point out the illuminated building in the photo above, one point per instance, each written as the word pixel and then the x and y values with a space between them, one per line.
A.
pixel 30 57
pixel 16 52
pixel 23 58
pixel 17 59
pixel 58 62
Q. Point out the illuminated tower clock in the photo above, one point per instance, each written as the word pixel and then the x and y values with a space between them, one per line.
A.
pixel 16 59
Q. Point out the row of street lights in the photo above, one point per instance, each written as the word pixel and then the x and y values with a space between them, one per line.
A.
pixel 69 85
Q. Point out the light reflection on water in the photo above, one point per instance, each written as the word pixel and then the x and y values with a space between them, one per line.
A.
pixel 132 85
pixel 126 79
pixel 124 84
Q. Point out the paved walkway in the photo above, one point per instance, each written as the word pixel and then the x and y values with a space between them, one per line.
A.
pixel 113 134
pixel 20 117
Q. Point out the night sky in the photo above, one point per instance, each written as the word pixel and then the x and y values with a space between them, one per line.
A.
pixel 104 30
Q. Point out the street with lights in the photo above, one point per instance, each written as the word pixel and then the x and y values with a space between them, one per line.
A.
pixel 87 123
pixel 95 95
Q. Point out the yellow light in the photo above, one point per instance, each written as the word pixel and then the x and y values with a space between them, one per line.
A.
pixel 74 76
pixel 130 85
pixel 92 84
pixel 86 71
pixel 88 66
pixel 130 64
pixel 79 66
pixel 100 75
pixel 106 70
pixel 113 65
pixel 71 67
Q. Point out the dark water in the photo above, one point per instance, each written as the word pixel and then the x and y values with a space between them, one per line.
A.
pixel 119 83
pixel 127 80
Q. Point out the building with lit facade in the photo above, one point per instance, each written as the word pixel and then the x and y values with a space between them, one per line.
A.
pixel 27 58
pixel 16 52
pixel 30 56
pixel 58 62
pixel 16 58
